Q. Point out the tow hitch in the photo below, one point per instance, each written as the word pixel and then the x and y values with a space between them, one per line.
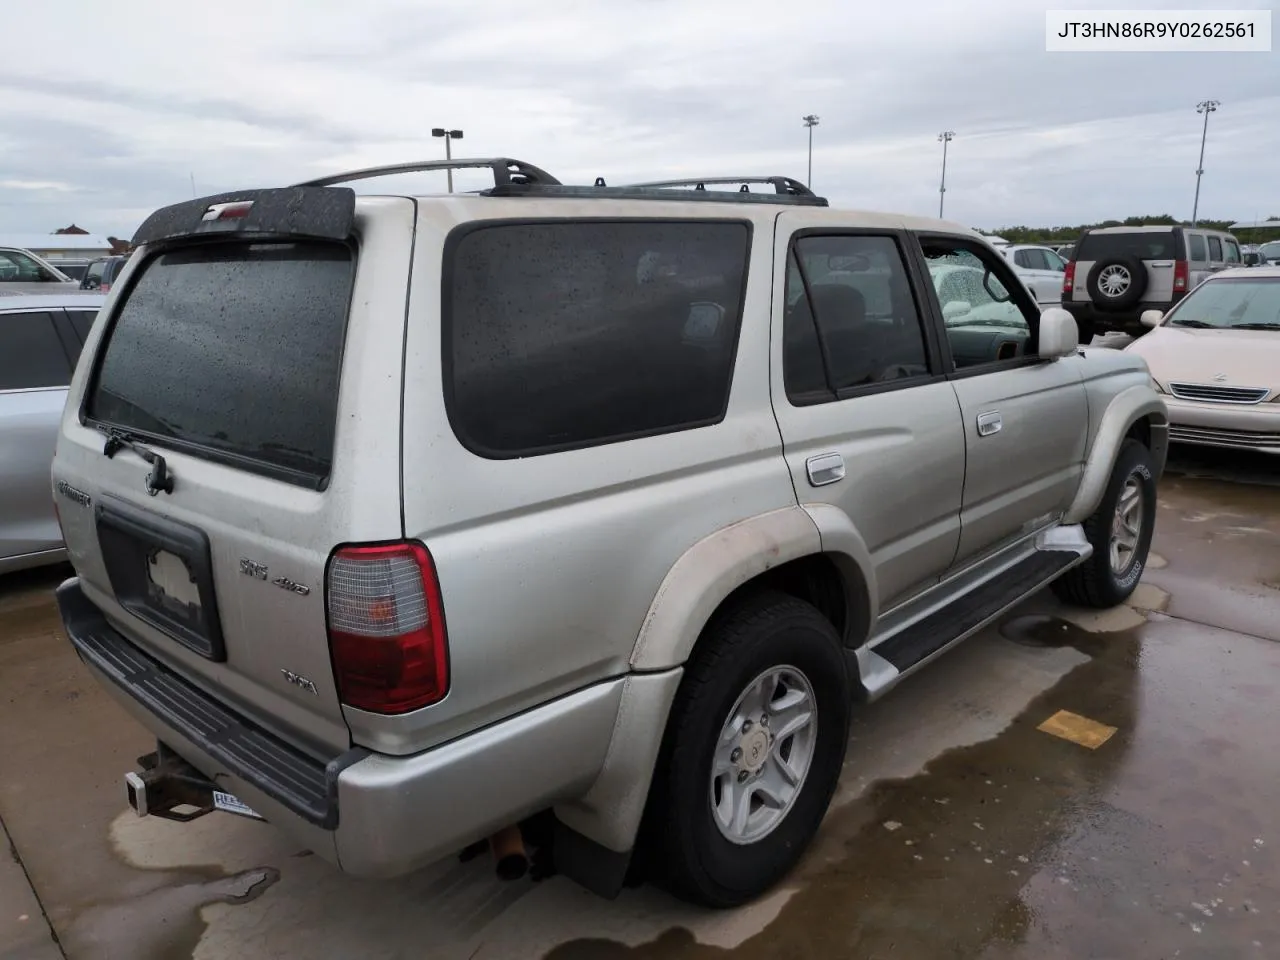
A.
pixel 167 786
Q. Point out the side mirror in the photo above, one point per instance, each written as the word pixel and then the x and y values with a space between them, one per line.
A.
pixel 1151 318
pixel 956 308
pixel 1059 336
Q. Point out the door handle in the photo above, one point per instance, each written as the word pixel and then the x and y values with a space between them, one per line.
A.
pixel 824 469
pixel 989 423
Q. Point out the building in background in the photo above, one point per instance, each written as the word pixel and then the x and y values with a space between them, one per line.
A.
pixel 60 246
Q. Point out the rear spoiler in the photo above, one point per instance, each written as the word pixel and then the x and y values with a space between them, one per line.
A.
pixel 322 213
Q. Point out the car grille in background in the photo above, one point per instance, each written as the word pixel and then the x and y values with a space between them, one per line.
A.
pixel 1243 439
pixel 1213 394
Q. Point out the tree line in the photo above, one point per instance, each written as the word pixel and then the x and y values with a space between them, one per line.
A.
pixel 1060 235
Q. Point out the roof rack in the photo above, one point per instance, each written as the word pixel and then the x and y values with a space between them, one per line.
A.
pixel 506 172
pixel 785 186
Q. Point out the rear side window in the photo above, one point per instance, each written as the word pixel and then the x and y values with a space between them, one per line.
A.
pixel 563 334
pixel 232 351
pixel 1215 249
pixel 82 321
pixel 1199 253
pixel 31 355
pixel 1145 245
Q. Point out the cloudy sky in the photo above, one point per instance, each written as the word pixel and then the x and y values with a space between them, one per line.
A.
pixel 109 110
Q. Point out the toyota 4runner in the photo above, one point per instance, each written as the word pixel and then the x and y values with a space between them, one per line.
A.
pixel 399 519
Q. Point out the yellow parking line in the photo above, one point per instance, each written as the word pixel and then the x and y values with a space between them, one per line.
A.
pixel 1077 729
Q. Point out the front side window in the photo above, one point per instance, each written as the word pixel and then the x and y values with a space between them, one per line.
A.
pixel 851 320
pixel 1215 250
pixel 988 315
pixel 1232 250
pixel 567 334
pixel 31 355
pixel 1199 253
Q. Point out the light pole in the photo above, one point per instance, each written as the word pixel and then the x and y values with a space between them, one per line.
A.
pixel 810 121
pixel 449 136
pixel 945 137
pixel 1206 107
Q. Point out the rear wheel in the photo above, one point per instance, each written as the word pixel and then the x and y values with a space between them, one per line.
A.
pixel 1120 531
pixel 754 749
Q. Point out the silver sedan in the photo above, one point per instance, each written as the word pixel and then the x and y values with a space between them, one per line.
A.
pixel 40 340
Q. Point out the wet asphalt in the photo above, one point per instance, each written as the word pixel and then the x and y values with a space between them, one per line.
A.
pixel 962 828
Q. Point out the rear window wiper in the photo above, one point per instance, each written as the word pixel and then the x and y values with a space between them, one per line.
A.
pixel 159 479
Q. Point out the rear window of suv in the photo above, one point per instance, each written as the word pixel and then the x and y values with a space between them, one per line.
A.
pixel 234 352
pixel 1145 245
pixel 566 334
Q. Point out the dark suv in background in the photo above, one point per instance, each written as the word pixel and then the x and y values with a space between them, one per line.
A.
pixel 102 273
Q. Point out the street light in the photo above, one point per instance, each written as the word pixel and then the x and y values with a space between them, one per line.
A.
pixel 945 137
pixel 810 121
pixel 1206 107
pixel 449 137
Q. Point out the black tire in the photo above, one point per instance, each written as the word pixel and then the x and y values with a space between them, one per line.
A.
pixel 1094 583
pixel 1130 296
pixel 697 862
pixel 1086 330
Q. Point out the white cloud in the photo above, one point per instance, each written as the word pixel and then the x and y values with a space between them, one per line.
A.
pixel 145 94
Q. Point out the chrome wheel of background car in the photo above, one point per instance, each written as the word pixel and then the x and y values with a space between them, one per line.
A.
pixel 1114 280
pixel 763 755
pixel 1126 526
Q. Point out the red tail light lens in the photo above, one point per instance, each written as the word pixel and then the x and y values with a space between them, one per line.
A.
pixel 105 287
pixel 1069 278
pixel 386 628
pixel 1180 276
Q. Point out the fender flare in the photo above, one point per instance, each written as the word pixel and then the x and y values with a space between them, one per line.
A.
pixel 1125 409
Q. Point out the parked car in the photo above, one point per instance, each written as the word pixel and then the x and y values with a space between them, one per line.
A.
pixel 21 271
pixel 40 340
pixel 103 272
pixel 1040 268
pixel 1216 357
pixel 71 269
pixel 1271 252
pixel 1066 252
pixel 1120 272
pixel 618 527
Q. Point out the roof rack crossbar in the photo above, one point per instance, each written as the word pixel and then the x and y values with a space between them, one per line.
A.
pixel 505 171
pixel 781 185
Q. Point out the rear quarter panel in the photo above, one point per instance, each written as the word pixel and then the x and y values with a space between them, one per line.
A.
pixel 548 564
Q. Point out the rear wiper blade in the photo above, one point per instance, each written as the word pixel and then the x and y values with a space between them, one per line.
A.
pixel 159 479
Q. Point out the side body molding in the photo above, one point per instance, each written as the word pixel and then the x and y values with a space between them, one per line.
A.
pixel 1125 409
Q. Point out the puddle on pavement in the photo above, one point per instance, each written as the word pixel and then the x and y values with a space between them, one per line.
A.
pixel 965 836
pixel 165 924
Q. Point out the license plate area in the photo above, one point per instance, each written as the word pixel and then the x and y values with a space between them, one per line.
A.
pixel 161 572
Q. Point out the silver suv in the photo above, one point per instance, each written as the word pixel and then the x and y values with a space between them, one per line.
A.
pixel 401 519
pixel 1118 273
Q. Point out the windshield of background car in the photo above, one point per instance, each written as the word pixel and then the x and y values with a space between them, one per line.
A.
pixel 1271 250
pixel 1226 304
pixel 17 267
pixel 1143 245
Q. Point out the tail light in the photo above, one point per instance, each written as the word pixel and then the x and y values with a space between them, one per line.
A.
pixel 386 628
pixel 1069 279
pixel 105 287
pixel 1180 276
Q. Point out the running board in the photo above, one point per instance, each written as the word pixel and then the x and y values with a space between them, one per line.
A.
pixel 920 640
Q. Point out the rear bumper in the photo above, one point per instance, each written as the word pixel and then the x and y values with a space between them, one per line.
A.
pixel 1230 426
pixel 1126 320
pixel 370 814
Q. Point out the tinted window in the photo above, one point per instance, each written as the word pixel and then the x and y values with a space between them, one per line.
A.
pixel 1199 253
pixel 233 349
pixel 568 334
pixel 857 310
pixel 1232 251
pixel 1143 244
pixel 1215 249
pixel 30 353
pixel 82 321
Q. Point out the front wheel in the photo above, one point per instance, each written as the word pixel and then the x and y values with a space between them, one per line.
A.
pixel 1120 531
pixel 755 745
